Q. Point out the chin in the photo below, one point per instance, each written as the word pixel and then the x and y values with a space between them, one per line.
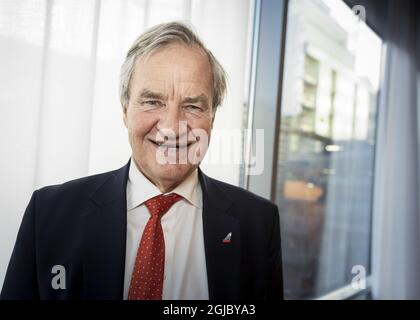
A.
pixel 173 172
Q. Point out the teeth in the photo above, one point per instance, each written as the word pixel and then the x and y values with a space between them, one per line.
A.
pixel 174 146
pixel 162 143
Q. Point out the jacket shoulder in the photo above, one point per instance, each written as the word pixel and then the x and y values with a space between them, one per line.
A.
pixel 74 194
pixel 84 186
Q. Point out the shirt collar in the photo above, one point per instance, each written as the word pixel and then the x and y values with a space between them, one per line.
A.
pixel 140 189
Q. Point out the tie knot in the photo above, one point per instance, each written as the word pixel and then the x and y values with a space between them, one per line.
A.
pixel 160 204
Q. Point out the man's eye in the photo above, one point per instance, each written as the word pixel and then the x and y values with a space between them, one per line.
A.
pixel 192 107
pixel 153 103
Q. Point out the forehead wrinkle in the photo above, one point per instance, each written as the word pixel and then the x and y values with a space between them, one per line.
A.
pixel 184 89
pixel 174 84
pixel 177 90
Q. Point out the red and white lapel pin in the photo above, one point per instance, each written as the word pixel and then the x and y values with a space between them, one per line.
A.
pixel 228 238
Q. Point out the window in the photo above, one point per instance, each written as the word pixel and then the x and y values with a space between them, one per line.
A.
pixel 324 177
pixel 59 72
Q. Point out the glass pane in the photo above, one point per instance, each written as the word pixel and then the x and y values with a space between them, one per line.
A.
pixel 326 146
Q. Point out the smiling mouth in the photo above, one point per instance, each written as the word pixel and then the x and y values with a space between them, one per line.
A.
pixel 171 145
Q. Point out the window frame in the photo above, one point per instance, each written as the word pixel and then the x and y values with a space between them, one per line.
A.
pixel 267 62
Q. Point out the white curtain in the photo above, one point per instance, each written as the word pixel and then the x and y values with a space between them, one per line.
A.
pixel 396 224
pixel 59 66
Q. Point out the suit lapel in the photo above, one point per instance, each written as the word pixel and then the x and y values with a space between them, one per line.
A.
pixel 105 239
pixel 222 258
pixel 105 228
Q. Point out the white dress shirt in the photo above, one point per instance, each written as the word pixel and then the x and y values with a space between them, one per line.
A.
pixel 185 275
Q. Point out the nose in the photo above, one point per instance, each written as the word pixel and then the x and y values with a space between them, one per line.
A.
pixel 171 124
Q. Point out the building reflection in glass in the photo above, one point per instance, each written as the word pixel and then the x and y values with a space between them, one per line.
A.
pixel 326 146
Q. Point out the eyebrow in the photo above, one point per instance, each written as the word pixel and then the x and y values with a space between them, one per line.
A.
pixel 148 94
pixel 200 98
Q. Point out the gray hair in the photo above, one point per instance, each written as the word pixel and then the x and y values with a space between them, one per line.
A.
pixel 158 37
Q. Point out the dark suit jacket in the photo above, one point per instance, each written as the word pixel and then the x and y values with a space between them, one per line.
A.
pixel 81 225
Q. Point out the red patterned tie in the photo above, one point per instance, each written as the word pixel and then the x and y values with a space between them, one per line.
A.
pixel 147 278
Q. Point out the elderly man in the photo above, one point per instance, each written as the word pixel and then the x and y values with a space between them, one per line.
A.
pixel 158 228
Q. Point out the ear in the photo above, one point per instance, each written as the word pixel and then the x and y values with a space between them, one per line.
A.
pixel 125 116
pixel 212 120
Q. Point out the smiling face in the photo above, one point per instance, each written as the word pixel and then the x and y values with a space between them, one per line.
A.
pixel 170 106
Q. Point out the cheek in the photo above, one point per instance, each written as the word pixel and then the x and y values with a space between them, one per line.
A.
pixel 139 124
pixel 203 124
